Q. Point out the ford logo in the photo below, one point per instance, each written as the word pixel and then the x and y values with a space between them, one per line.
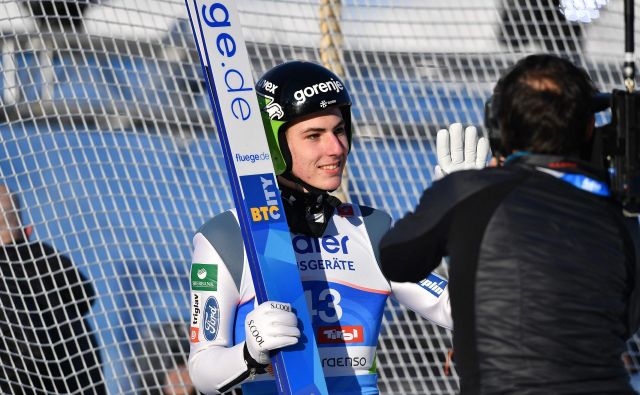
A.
pixel 211 319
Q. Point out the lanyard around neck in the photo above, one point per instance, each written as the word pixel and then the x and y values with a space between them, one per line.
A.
pixel 580 181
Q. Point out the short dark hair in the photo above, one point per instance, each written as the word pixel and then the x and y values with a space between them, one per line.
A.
pixel 543 104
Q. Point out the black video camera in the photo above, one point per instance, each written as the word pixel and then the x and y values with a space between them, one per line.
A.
pixel 616 147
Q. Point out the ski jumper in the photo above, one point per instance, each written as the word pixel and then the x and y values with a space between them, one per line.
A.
pixel 344 289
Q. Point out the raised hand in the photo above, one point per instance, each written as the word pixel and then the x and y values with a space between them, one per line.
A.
pixel 457 151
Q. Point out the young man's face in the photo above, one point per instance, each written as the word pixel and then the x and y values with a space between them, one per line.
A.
pixel 319 147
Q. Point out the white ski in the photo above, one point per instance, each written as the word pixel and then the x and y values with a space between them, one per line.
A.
pixel 227 71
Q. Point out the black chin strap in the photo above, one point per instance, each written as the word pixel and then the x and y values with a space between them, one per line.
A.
pixel 308 213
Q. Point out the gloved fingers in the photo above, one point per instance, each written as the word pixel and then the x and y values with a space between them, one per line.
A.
pixel 470 144
pixel 283 331
pixel 443 151
pixel 484 152
pixel 438 173
pixel 456 143
pixel 276 342
pixel 285 318
pixel 270 316
pixel 289 341
pixel 270 326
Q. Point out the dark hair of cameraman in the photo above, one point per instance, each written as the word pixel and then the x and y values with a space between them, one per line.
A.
pixel 543 105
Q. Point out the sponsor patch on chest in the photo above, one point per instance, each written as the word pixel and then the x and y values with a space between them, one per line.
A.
pixel 340 334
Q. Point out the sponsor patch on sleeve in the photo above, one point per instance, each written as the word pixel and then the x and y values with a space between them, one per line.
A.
pixel 211 319
pixel 204 277
pixel 194 335
pixel 434 284
pixel 196 311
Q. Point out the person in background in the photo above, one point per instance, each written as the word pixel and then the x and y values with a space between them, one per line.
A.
pixel 162 361
pixel 46 346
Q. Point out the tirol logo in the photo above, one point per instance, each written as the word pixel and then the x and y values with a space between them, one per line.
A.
pixel 306 244
pixel 211 319
pixel 312 90
pixel 273 109
pixel 204 277
pixel 434 284
pixel 261 195
pixel 340 334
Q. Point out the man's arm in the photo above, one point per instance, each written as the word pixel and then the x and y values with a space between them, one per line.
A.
pixel 216 282
pixel 417 242
pixel 430 297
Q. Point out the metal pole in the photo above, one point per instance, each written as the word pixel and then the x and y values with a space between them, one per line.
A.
pixel 629 69
pixel 331 55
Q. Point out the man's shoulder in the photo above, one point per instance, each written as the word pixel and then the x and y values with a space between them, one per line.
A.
pixel 373 213
pixel 488 174
pixel 445 194
pixel 372 217
pixel 225 222
pixel 32 251
pixel 224 234
pixel 376 223
pixel 475 180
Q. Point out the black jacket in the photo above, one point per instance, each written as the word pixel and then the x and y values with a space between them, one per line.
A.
pixel 46 346
pixel 543 275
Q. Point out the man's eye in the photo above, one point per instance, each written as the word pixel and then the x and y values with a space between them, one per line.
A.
pixel 312 136
pixel 340 130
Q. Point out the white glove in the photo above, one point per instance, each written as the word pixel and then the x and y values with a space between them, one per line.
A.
pixel 455 154
pixel 270 326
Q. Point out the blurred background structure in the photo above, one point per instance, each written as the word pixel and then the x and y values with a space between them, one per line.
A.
pixel 107 136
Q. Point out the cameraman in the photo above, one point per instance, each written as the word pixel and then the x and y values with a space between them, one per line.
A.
pixel 543 270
